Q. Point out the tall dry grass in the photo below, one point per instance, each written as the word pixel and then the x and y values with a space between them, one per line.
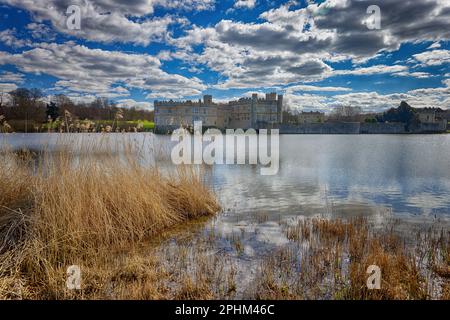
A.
pixel 328 259
pixel 57 210
pixel 103 211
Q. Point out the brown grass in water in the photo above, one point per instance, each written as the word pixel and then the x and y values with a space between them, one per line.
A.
pixel 328 259
pixel 67 211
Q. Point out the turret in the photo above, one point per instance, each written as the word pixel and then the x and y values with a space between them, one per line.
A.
pixel 207 99
pixel 280 108
pixel 271 96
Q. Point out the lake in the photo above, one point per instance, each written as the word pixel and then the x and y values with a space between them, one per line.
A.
pixel 378 176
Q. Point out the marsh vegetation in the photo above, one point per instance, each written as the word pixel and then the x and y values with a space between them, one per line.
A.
pixel 138 231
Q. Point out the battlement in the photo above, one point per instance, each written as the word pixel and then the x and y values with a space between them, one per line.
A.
pixel 247 112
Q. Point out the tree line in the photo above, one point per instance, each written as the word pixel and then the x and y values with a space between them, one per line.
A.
pixel 25 109
pixel 404 113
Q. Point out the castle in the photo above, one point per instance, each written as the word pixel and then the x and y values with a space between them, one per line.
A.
pixel 244 113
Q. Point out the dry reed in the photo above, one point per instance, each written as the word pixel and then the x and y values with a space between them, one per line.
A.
pixel 129 228
pixel 328 259
pixel 58 210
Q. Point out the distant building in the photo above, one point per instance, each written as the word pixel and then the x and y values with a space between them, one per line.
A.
pixel 432 118
pixel 427 115
pixel 174 113
pixel 311 117
pixel 244 113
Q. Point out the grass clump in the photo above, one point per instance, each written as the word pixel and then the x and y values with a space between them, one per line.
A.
pixel 58 210
pixel 329 259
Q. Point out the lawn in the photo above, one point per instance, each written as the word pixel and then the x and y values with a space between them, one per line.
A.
pixel 143 125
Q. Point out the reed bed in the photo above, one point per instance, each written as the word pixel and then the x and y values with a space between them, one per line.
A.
pixel 328 259
pixel 324 259
pixel 139 233
pixel 58 210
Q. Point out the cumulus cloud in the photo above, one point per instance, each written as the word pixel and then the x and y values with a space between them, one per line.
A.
pixel 41 32
pixel 316 88
pixel 401 21
pixel 285 47
pixel 371 101
pixel 9 38
pixel 7 76
pixel 269 71
pixel 7 87
pixel 245 4
pixel 291 45
pixel 435 45
pixel 433 58
pixel 419 75
pixel 307 102
pixel 110 21
pixel 376 69
pixel 131 103
pixel 104 73
pixel 9 81
pixel 187 5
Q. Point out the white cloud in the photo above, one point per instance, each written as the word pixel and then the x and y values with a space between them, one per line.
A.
pixel 294 45
pixel 131 103
pixel 104 73
pixel 316 88
pixel 433 58
pixel 285 46
pixel 394 70
pixel 245 4
pixel 110 21
pixel 377 69
pixel 7 87
pixel 419 75
pixel 164 55
pixel 435 45
pixel 7 76
pixel 9 81
pixel 78 98
pixel 8 37
pixel 41 32
pixel 307 102
pixel 187 5
pixel 372 101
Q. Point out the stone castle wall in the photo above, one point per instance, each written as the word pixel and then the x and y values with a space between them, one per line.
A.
pixel 321 128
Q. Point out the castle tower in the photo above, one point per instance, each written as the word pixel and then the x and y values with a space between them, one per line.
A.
pixel 207 99
pixel 271 96
pixel 253 110
pixel 280 108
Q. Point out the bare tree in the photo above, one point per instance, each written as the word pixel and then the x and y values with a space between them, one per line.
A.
pixel 346 113
pixel 24 102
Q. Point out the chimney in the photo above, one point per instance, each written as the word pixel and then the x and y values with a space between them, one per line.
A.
pixel 207 99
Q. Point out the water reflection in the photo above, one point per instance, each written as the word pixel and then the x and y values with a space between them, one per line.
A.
pixel 379 176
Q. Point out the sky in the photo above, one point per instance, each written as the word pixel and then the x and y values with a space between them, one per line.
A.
pixel 319 54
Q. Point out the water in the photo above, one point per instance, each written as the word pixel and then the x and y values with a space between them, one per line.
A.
pixel 381 177
pixel 378 176
pixel 406 175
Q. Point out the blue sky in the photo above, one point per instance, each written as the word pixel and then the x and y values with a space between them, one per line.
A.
pixel 320 54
